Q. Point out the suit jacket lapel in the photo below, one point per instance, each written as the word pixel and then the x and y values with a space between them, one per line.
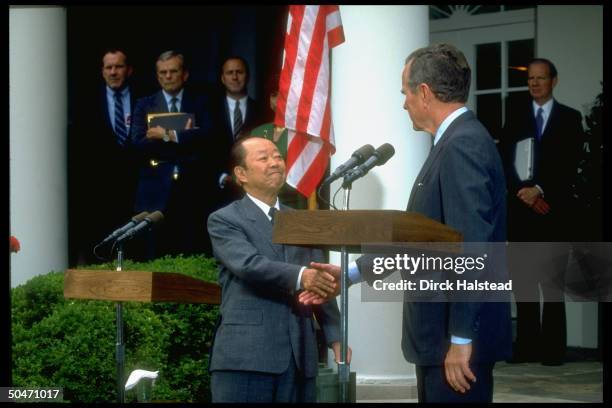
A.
pixel 551 120
pixel 160 103
pixel 261 224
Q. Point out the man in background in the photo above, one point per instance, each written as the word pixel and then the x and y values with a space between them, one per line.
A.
pixel 540 209
pixel 101 167
pixel 173 175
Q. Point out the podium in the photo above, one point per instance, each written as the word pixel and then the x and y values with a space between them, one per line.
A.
pixel 352 228
pixel 346 231
pixel 136 286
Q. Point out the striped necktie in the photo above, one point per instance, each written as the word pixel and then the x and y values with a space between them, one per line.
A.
pixel 173 107
pixel 120 128
pixel 237 119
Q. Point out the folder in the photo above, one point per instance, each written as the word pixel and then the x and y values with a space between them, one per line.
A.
pixel 174 120
pixel 523 159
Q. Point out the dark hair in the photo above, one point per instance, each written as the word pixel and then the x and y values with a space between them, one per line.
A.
pixel 444 69
pixel 239 58
pixel 115 51
pixel 552 70
pixel 238 152
pixel 166 55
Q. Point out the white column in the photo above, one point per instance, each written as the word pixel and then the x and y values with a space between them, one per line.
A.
pixel 367 107
pixel 38 126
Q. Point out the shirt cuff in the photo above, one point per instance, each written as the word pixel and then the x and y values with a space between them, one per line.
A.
pixel 353 272
pixel 541 191
pixel 460 340
pixel 298 285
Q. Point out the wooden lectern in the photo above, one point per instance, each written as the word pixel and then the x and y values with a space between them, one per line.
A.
pixel 333 229
pixel 347 231
pixel 139 286
pixel 136 286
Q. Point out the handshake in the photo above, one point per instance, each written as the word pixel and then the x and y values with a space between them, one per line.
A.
pixel 321 283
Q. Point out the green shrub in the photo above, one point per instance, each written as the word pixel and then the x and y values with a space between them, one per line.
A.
pixel 70 343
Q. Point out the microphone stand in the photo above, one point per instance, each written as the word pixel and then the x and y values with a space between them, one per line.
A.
pixel 120 344
pixel 343 365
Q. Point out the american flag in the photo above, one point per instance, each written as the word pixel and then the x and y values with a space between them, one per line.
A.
pixel 303 105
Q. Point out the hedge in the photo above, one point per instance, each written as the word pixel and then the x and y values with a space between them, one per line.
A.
pixel 69 343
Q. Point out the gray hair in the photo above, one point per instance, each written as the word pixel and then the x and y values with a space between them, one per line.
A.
pixel 444 69
pixel 166 55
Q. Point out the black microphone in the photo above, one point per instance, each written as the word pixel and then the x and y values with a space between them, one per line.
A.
pixel 378 158
pixel 149 220
pixel 359 156
pixel 120 231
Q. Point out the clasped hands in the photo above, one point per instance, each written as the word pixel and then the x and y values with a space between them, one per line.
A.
pixel 532 198
pixel 158 132
pixel 321 283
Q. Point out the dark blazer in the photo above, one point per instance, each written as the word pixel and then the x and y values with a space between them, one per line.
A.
pixel 262 323
pixel 555 163
pixel 102 174
pixel 461 185
pixel 251 119
pixel 189 155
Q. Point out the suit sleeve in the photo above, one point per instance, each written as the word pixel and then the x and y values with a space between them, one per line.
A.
pixel 235 251
pixel 467 207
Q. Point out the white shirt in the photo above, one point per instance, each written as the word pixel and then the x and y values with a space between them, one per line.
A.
pixel 231 104
pixel 266 209
pixel 125 99
pixel 179 100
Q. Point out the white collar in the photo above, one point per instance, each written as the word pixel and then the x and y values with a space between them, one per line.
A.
pixel 447 122
pixel 263 206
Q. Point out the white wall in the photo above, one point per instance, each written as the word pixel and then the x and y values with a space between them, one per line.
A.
pixel 572 38
pixel 38 125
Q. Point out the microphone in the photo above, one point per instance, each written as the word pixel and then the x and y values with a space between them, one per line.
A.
pixel 149 220
pixel 120 231
pixel 378 158
pixel 359 156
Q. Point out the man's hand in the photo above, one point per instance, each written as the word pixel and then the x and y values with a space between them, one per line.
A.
pixel 309 297
pixel 333 270
pixel 457 367
pixel 320 283
pixel 156 133
pixel 528 195
pixel 338 355
pixel 189 124
pixel 541 206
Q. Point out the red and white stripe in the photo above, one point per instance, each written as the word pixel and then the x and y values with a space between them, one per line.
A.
pixel 303 104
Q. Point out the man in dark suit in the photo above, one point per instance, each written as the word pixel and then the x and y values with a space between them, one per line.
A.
pixel 236 114
pixel 265 347
pixel 455 344
pixel 101 166
pixel 173 176
pixel 541 209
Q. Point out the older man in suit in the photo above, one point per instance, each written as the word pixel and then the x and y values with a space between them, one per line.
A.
pixel 541 208
pixel 174 176
pixel 455 344
pixel 265 347
pixel 102 173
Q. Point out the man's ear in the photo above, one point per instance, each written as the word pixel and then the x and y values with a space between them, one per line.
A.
pixel 240 174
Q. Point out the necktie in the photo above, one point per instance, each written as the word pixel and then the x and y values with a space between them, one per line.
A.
pixel 173 107
pixel 271 212
pixel 237 119
pixel 539 123
pixel 120 129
